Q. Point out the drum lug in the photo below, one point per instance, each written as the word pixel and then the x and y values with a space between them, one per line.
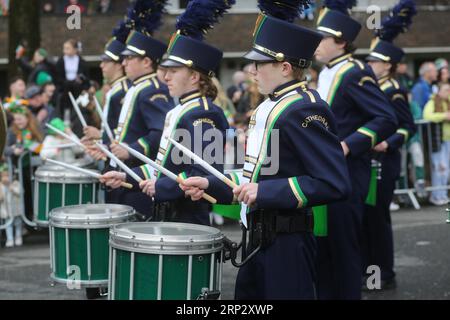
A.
pixel 209 295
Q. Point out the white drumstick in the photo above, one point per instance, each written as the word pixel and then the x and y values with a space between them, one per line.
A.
pixel 81 170
pixel 104 120
pixel 65 135
pixel 77 110
pixel 119 163
pixel 161 169
pixel 205 165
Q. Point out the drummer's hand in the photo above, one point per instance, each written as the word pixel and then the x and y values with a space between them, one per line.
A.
pixel 87 141
pixel 246 193
pixel 194 187
pixel 113 179
pixel 95 153
pixel 92 133
pixel 345 148
pixel 119 151
pixel 381 147
pixel 148 187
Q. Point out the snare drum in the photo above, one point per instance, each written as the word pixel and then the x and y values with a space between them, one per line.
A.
pixel 164 261
pixel 79 238
pixel 56 187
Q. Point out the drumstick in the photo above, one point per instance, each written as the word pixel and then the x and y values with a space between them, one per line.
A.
pixel 65 135
pixel 161 169
pixel 104 120
pixel 85 171
pixel 77 110
pixel 205 165
pixel 119 163
pixel 62 146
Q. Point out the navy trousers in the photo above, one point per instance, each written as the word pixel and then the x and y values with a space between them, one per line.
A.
pixel 141 202
pixel 378 242
pixel 339 261
pixel 284 270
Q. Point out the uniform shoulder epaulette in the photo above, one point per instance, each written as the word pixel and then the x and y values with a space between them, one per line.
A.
pixel 159 96
pixel 357 63
pixel 395 83
pixel 205 103
pixel 125 86
pixel 309 96
pixel 155 82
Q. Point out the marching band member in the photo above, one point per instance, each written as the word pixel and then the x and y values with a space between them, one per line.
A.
pixel 309 170
pixel 189 67
pixel 364 118
pixel 378 248
pixel 147 101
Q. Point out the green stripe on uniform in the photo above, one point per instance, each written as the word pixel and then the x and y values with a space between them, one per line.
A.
pixel 370 133
pixel 146 172
pixel 403 132
pixel 337 81
pixel 303 201
pixel 144 146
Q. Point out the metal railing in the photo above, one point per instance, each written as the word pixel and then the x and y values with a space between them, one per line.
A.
pixel 25 162
pixel 425 136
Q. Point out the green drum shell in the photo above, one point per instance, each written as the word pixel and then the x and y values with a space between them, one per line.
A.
pixel 166 263
pixel 56 187
pixel 83 232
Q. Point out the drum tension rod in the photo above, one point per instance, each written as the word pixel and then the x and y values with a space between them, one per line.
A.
pixel 209 295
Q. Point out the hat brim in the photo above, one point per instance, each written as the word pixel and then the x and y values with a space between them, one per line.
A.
pixel 129 53
pixel 372 58
pixel 105 57
pixel 254 55
pixel 326 34
pixel 168 63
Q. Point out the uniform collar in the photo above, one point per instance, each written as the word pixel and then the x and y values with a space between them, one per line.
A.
pixel 282 90
pixel 383 79
pixel 144 78
pixel 338 59
pixel 113 83
pixel 190 96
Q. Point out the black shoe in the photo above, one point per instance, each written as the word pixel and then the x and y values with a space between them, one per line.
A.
pixel 93 293
pixel 388 284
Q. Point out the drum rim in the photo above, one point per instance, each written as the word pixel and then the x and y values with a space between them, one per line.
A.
pixel 42 175
pixel 166 250
pixel 81 162
pixel 127 240
pixel 83 283
pixel 60 218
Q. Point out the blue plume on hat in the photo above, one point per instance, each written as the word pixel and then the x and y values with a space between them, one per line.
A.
pixel 144 16
pixel 398 21
pixel 201 15
pixel 124 27
pixel 343 6
pixel 286 10
pixel 122 31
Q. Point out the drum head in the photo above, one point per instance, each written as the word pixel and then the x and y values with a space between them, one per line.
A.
pixel 166 237
pixel 90 215
pixel 62 175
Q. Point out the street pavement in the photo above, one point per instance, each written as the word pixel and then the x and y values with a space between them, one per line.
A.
pixel 422 257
